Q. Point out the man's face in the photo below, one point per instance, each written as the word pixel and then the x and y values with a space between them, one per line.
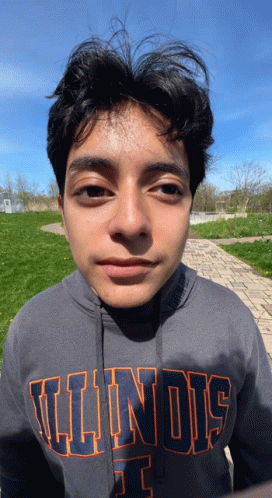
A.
pixel 126 207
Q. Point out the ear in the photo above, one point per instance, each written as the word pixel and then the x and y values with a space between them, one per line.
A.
pixel 60 207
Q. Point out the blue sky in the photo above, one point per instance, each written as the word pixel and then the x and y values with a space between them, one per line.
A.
pixel 234 37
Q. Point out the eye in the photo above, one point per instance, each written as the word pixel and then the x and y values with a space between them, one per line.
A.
pixel 93 195
pixel 94 192
pixel 170 189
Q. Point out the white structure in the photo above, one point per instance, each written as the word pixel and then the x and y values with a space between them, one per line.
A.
pixel 7 206
pixel 196 218
pixel 10 204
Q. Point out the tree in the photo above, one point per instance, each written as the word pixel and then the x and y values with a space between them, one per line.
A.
pixel 34 189
pixel 205 197
pixel 52 189
pixel 8 186
pixel 267 200
pixel 262 202
pixel 247 179
pixel 22 189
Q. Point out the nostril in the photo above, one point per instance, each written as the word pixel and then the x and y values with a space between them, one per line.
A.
pixel 123 236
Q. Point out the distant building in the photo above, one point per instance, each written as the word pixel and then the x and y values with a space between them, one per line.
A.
pixel 16 203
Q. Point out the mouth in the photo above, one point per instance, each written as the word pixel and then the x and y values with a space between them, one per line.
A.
pixel 127 268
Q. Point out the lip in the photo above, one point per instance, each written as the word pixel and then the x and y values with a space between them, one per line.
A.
pixel 126 268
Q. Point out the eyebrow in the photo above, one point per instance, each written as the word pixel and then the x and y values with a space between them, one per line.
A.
pixel 89 163
pixel 173 168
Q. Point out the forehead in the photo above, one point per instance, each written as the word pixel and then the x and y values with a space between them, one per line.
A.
pixel 128 134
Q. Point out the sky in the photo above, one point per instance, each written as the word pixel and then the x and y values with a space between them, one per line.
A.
pixel 234 38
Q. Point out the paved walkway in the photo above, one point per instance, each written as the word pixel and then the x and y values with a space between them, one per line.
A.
pixel 214 263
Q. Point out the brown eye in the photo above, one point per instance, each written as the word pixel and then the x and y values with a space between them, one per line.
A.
pixel 94 191
pixel 170 189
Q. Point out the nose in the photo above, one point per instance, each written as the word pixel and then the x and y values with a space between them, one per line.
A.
pixel 130 220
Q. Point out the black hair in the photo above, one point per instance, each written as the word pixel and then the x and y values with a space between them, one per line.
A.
pixel 102 75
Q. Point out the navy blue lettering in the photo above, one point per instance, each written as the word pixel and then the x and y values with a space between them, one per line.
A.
pixel 36 391
pixel 100 439
pixel 198 383
pixel 218 386
pixel 176 379
pixel 192 405
pixel 58 441
pixel 132 477
pixel 81 443
pixel 136 410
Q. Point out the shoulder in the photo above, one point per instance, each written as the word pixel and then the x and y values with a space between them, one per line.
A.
pixel 42 304
pixel 218 297
pixel 219 312
pixel 41 312
pixel 202 298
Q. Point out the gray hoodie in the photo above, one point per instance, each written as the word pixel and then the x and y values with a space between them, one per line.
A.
pixel 102 402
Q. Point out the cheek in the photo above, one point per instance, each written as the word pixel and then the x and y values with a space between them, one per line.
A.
pixel 86 241
pixel 174 229
pixel 175 239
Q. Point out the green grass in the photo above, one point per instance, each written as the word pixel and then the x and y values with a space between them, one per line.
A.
pixel 257 254
pixel 30 261
pixel 253 225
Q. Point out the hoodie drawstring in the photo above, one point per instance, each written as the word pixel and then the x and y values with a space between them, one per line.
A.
pixel 105 423
pixel 158 464
pixel 159 459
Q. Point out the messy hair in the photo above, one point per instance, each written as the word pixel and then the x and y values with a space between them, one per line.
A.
pixel 102 75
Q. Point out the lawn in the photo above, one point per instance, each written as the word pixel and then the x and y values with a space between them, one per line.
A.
pixel 253 225
pixel 257 254
pixel 30 261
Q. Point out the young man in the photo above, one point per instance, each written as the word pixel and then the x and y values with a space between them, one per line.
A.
pixel 131 376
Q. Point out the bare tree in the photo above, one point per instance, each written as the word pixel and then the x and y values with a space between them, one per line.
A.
pixel 8 186
pixel 22 188
pixel 34 189
pixel 246 179
pixel 52 189
pixel 205 197
pixel 267 201
pixel 262 202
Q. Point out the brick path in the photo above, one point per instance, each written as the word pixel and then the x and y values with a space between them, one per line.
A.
pixel 214 263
